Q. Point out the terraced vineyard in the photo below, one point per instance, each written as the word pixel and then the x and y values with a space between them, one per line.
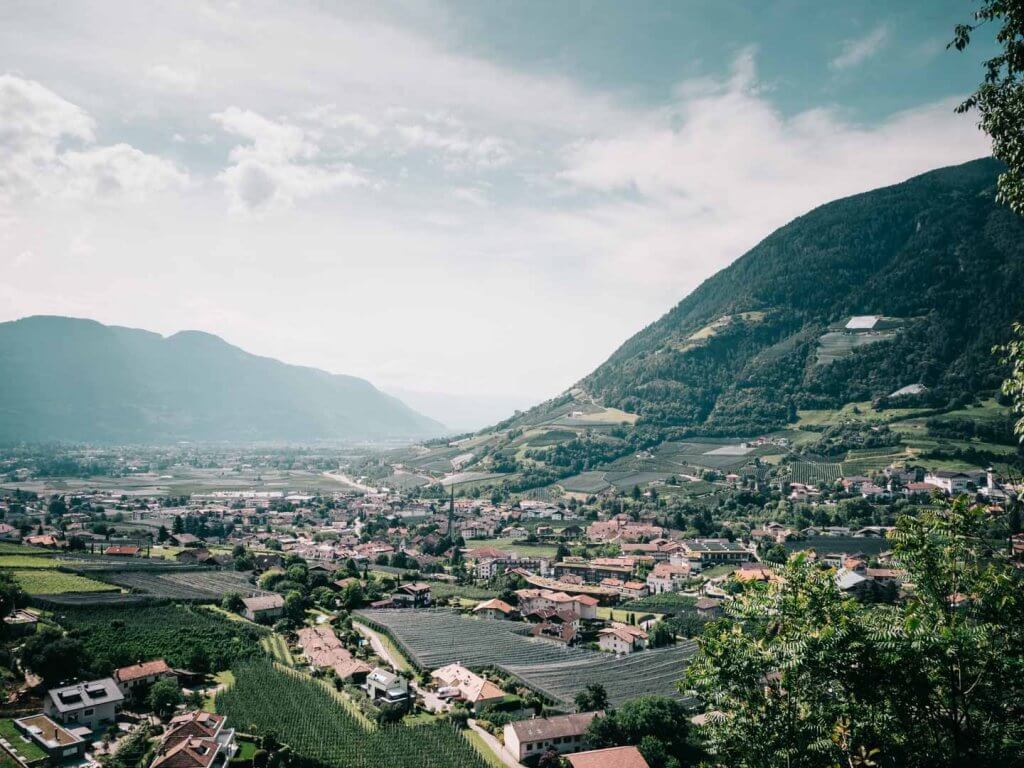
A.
pixel 200 586
pixel 306 717
pixel 433 638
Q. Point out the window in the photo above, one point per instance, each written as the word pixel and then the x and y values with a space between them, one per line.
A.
pixel 88 712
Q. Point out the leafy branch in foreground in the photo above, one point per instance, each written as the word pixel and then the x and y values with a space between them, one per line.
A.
pixel 799 674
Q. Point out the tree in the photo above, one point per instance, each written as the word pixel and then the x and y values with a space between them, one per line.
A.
pixel 593 698
pixel 11 594
pixel 53 656
pixel 549 758
pixel 1000 97
pixel 164 697
pixel 808 677
pixel 232 602
pixel 657 725
pixel 162 535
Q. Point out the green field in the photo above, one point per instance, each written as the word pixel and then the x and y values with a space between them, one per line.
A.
pixel 30 561
pixel 515 545
pixel 40 581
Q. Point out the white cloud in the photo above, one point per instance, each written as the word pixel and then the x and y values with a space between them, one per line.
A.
pixel 36 126
pixel 174 78
pixel 860 49
pixel 694 185
pixel 274 166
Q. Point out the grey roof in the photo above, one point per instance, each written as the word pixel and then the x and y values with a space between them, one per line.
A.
pixel 543 728
pixel 71 698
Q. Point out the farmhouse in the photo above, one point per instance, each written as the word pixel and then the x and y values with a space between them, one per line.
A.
pixel 621 638
pixel 123 550
pixel 84 704
pixel 495 609
pixel 263 607
pixel 412 595
pixel 138 677
pixel 527 738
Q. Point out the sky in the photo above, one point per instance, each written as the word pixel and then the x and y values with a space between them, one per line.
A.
pixel 469 202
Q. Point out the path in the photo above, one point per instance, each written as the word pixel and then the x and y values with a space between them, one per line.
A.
pixel 341 477
pixel 494 745
pixel 379 646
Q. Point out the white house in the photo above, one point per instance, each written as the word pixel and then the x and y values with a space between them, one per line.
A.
pixel 621 638
pixel 528 738
pixel 88 704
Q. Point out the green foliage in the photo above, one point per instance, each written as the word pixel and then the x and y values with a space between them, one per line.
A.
pixel 656 724
pixel 306 717
pixel 593 698
pixel 185 637
pixel 808 677
pixel 52 656
pixel 164 696
pixel 1000 98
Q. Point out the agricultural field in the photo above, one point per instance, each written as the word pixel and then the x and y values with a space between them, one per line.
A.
pixel 196 585
pixel 835 345
pixel 29 751
pixel 187 637
pixel 515 545
pixel 585 482
pixel 824 545
pixel 432 638
pixel 814 473
pixel 666 602
pixel 306 717
pixel 31 561
pixel 441 590
pixel 41 581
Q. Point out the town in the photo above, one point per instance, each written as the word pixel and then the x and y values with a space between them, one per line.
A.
pixel 522 621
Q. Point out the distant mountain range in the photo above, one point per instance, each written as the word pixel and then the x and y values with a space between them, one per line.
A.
pixel 932 269
pixel 67 379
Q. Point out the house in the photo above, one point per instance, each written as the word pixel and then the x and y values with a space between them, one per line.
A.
pixel 263 607
pixel 324 650
pixel 468 686
pixel 412 595
pixel 554 624
pixel 137 678
pixel 528 738
pixel 495 609
pixel 58 743
pixel 665 577
pixel 708 607
pixel 612 757
pixel 621 638
pixel 634 590
pixel 850 581
pixel 123 550
pixel 186 540
pixel 532 600
pixel 952 483
pixel 89 704
pixel 196 740
pixel 386 687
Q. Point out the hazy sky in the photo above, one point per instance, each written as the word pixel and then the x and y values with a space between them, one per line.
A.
pixel 467 197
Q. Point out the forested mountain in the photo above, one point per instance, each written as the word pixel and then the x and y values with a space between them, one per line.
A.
pixel 936 259
pixel 79 380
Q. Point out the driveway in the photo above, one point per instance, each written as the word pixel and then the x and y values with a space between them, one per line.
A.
pixel 494 745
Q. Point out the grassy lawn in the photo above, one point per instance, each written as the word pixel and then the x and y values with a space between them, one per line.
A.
pixel 420 718
pixel 49 582
pixel 225 678
pixel 246 749
pixel 27 749
pixel 485 751
pixel 515 545
pixel 164 552
pixel 862 412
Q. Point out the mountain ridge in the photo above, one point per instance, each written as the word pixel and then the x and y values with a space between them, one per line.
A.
pixel 134 385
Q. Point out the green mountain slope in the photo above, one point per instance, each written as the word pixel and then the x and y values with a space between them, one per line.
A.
pixel 79 380
pixel 936 258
